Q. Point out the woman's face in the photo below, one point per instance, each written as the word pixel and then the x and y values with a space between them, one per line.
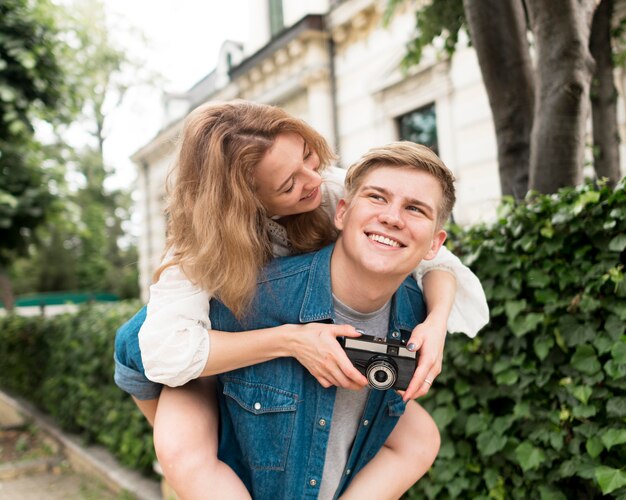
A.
pixel 287 179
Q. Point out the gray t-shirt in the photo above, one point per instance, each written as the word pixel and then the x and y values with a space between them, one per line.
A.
pixel 349 405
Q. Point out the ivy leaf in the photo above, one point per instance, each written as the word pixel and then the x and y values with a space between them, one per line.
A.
pixel 584 411
pixel 615 327
pixel 616 407
pixel 615 370
pixel 609 479
pixel 529 456
pixel 508 377
pixel 489 443
pixel 550 493
pixel 613 437
pixel 618 352
pixel 618 243
pixel 585 360
pixel 476 423
pixel 594 446
pixel 513 308
pixel 537 278
pixel 443 416
pixel 542 346
pixel 582 393
pixel 525 323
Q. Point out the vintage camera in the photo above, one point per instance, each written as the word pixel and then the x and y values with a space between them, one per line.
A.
pixel 386 363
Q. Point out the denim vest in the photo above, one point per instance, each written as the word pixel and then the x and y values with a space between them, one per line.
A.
pixel 275 417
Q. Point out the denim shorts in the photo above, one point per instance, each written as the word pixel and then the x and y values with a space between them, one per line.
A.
pixel 135 382
pixel 129 372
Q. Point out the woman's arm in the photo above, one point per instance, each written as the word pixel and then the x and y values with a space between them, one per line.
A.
pixel 314 345
pixel 469 311
pixel 177 343
pixel 429 337
pixel 173 339
pixel 455 301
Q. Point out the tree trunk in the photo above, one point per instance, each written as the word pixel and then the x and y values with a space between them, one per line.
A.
pixel 6 290
pixel 498 31
pixel 604 96
pixel 564 69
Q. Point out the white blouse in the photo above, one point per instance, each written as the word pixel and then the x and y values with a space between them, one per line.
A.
pixel 174 340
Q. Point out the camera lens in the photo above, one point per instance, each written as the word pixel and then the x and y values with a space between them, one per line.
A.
pixel 381 373
pixel 381 376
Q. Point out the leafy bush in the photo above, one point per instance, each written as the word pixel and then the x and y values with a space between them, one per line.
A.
pixel 535 405
pixel 64 364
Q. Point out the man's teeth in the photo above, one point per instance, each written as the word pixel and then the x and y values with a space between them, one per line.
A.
pixel 383 240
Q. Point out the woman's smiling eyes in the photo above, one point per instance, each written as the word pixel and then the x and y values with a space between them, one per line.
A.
pixel 308 153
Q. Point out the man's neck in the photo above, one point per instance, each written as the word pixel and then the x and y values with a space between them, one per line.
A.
pixel 361 290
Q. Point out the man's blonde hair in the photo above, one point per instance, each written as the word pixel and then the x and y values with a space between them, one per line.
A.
pixel 405 154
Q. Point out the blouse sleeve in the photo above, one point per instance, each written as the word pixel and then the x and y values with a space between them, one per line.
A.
pixel 174 341
pixel 470 311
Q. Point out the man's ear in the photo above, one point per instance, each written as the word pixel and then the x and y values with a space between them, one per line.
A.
pixel 438 239
pixel 342 206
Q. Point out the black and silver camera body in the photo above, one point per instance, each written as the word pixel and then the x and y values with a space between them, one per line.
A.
pixel 386 363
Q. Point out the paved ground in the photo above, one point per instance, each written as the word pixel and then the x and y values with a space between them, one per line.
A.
pixel 40 462
pixel 65 485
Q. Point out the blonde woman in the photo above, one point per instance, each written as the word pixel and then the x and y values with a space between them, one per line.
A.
pixel 253 182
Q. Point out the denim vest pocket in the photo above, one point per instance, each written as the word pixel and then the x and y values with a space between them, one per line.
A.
pixel 263 417
pixel 396 407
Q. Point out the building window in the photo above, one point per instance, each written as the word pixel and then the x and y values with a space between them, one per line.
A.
pixel 420 126
pixel 276 16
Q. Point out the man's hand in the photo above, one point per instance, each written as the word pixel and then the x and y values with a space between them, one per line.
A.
pixel 428 338
pixel 317 349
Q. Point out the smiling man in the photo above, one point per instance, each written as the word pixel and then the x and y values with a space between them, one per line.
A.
pixel 283 433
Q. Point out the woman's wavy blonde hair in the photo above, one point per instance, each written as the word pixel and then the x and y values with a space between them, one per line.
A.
pixel 216 225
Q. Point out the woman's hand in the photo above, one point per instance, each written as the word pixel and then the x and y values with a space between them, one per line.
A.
pixel 428 338
pixel 316 347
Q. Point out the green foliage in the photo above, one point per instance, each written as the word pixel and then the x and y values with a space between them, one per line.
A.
pixel 32 86
pixel 436 23
pixel 64 364
pixel 84 229
pixel 535 405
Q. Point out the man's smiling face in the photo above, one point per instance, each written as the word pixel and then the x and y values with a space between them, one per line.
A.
pixel 390 223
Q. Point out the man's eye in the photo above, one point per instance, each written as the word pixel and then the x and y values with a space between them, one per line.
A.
pixel 376 197
pixel 413 208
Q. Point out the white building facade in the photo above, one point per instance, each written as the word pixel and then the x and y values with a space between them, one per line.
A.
pixel 334 64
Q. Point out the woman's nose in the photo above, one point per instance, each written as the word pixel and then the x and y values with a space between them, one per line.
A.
pixel 313 178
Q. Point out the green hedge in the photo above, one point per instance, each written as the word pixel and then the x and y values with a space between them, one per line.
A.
pixel 64 365
pixel 535 405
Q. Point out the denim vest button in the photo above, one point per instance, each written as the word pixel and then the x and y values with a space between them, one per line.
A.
pixel 366 422
pixel 322 422
pixel 313 482
pixel 348 472
pixel 257 406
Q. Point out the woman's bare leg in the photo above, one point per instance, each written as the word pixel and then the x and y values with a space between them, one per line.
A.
pixel 406 456
pixel 148 407
pixel 185 440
